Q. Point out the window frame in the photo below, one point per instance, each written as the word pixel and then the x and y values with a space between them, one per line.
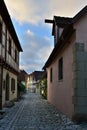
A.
pixel 12 84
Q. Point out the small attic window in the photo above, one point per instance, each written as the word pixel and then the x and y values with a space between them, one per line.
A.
pixel 58 32
pixel 56 36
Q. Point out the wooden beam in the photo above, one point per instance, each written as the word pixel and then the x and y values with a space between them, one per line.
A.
pixel 49 21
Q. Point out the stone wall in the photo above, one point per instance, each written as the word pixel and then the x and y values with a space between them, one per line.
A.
pixel 80 80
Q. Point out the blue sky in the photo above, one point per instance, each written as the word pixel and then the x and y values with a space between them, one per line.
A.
pixel 34 35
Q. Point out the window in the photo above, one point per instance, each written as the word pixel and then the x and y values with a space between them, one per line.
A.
pixel 15 55
pixel 12 84
pixel 0 32
pixel 60 69
pixel 60 31
pixel 9 49
pixel 56 36
pixel 51 75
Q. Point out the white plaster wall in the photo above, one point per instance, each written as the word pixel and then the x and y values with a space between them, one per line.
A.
pixel 12 95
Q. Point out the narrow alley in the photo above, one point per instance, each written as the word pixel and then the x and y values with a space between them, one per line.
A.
pixel 34 113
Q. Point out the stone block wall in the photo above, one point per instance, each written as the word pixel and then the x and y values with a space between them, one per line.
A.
pixel 80 79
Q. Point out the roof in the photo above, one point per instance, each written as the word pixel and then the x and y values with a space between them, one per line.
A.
pixel 6 17
pixel 80 14
pixel 37 74
pixel 24 72
pixel 67 24
pixel 61 22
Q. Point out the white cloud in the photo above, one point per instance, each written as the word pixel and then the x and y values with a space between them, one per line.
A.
pixel 36 51
pixel 47 38
pixel 29 32
pixel 33 11
pixel 30 67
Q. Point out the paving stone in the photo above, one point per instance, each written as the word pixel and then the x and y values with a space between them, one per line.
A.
pixel 34 113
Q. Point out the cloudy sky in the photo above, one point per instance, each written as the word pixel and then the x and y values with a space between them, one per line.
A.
pixel 34 35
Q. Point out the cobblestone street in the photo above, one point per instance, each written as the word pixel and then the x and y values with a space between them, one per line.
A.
pixel 34 113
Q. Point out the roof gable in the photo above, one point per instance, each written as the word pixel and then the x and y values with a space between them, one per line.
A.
pixel 65 21
pixel 67 24
pixel 61 22
pixel 62 41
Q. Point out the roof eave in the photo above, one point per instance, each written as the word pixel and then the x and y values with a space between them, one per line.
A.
pixel 6 17
pixel 79 14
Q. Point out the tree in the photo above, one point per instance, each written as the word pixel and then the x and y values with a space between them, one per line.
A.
pixel 21 89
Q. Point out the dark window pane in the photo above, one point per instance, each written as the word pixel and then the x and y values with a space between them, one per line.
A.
pixel 51 74
pixel 12 84
pixel 9 46
pixel 15 55
pixel 61 69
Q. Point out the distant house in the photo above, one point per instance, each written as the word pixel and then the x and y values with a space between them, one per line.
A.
pixel 9 57
pixel 33 79
pixel 67 65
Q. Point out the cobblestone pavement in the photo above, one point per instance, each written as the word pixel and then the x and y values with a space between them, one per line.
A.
pixel 35 113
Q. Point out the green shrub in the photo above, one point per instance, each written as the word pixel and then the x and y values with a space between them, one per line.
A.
pixel 21 87
pixel 43 88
